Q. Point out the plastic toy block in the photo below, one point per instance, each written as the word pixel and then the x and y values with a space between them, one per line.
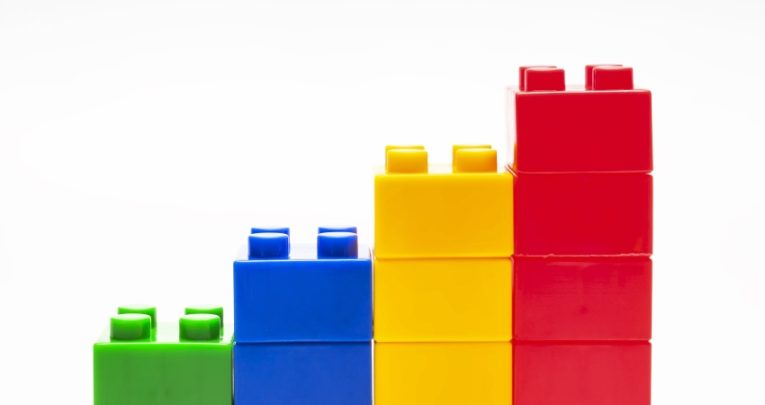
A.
pixel 583 214
pixel 442 373
pixel 443 300
pixel 185 363
pixel 605 127
pixel 581 373
pixel 303 373
pixel 320 293
pixel 465 213
pixel 582 298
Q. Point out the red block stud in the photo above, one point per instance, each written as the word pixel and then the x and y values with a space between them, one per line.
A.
pixel 588 74
pixel 582 373
pixel 583 214
pixel 582 298
pixel 522 75
pixel 612 78
pixel 544 79
pixel 553 130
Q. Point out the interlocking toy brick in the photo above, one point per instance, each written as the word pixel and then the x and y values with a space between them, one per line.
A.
pixel 583 214
pixel 303 373
pixel 593 373
pixel 442 373
pixel 582 298
pixel 604 127
pixel 307 293
pixel 443 300
pixel 422 214
pixel 142 362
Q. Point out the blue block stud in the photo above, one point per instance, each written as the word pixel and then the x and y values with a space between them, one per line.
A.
pixel 311 293
pixel 260 229
pixel 337 245
pixel 325 229
pixel 268 245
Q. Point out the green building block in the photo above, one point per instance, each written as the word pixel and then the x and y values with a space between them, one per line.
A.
pixel 141 362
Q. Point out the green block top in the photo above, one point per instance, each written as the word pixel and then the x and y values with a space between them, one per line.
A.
pixel 139 361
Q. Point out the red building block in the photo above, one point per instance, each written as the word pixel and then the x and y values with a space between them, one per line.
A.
pixel 605 127
pixel 582 373
pixel 583 214
pixel 582 298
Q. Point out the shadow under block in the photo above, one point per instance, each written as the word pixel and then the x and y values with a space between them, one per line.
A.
pixel 163 370
pixel 443 373
pixel 582 298
pixel 443 300
pixel 303 298
pixel 425 215
pixel 604 127
pixel 583 214
pixel 582 373
pixel 303 373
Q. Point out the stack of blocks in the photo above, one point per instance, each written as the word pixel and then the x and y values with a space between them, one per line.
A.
pixel 443 275
pixel 583 238
pixel 304 317
pixel 528 286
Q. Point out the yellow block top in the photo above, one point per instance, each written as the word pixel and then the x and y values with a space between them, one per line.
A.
pixel 465 213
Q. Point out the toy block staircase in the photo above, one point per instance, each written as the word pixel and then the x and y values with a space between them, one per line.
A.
pixel 526 285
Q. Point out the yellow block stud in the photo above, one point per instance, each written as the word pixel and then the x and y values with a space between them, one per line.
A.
pixel 400 161
pixel 470 160
pixel 443 374
pixel 443 300
pixel 425 215
pixel 455 148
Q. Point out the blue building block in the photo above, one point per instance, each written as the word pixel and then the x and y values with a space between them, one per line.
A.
pixel 303 373
pixel 320 293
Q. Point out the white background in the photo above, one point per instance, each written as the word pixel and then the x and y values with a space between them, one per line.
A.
pixel 140 139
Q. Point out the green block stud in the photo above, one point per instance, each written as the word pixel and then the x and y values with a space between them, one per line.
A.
pixel 182 363
pixel 140 309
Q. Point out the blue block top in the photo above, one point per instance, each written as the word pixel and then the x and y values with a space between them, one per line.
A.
pixel 318 292
pixel 331 243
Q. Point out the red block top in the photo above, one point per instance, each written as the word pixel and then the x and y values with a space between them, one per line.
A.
pixel 603 127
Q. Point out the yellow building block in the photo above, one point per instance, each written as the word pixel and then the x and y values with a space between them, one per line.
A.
pixel 443 300
pixel 465 213
pixel 443 374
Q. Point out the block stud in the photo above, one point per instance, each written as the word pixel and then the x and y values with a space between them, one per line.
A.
pixel 337 245
pixel 200 327
pixel 269 245
pixel 455 148
pixel 545 79
pixel 406 161
pixel 522 74
pixel 130 327
pixel 612 78
pixel 140 309
pixel 325 229
pixel 475 160
pixel 588 74
pixel 259 229
pixel 211 310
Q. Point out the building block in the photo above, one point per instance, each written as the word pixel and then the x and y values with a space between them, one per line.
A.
pixel 303 373
pixel 581 373
pixel 304 293
pixel 582 298
pixel 422 214
pixel 186 363
pixel 443 300
pixel 583 214
pixel 442 373
pixel 604 127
